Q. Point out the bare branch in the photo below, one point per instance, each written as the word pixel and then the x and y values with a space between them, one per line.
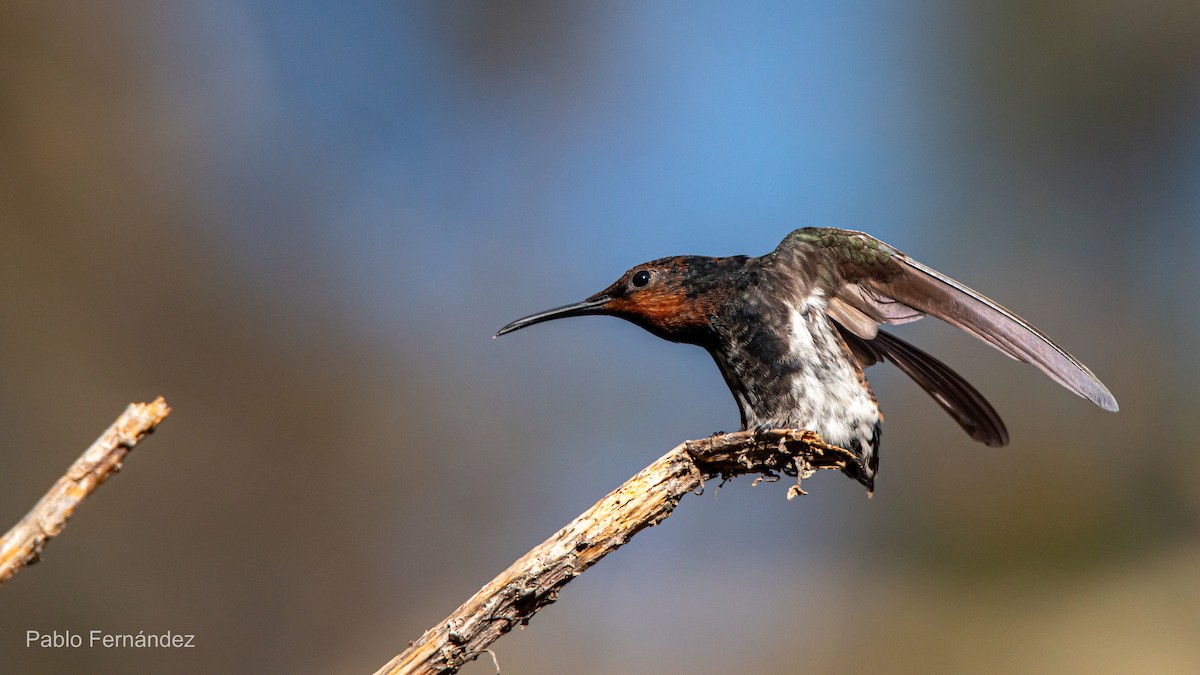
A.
pixel 534 580
pixel 23 544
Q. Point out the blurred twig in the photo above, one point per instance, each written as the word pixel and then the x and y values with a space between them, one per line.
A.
pixel 534 580
pixel 23 544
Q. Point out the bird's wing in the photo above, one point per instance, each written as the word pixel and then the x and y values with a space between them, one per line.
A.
pixel 955 395
pixel 870 283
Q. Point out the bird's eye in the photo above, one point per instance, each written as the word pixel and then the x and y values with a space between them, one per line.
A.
pixel 641 278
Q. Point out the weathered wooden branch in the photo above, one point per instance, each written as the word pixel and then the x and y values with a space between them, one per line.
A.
pixel 534 580
pixel 23 544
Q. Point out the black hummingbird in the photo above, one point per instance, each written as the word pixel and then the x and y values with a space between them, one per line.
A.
pixel 792 331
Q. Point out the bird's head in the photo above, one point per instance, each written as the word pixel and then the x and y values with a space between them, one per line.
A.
pixel 674 298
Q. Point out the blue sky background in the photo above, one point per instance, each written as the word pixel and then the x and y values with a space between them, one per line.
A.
pixel 303 222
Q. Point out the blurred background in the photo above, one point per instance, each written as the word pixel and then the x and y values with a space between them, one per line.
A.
pixel 302 222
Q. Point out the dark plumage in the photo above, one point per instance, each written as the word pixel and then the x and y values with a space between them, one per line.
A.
pixel 792 331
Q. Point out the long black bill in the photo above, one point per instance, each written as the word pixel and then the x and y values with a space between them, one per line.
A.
pixel 593 305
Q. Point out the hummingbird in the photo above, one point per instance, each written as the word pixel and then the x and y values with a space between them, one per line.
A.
pixel 793 330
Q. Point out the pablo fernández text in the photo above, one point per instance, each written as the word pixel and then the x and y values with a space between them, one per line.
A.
pixel 100 639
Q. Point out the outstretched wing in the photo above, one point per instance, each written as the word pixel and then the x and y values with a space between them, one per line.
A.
pixel 955 395
pixel 870 283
